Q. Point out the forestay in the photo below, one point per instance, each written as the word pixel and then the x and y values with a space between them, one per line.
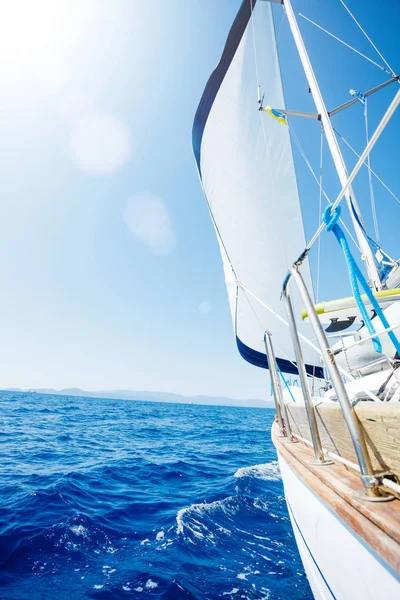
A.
pixel 245 163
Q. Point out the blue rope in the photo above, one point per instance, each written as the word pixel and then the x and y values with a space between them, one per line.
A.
pixel 355 274
pixel 286 384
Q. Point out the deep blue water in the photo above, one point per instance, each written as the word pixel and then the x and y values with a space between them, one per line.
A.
pixel 119 499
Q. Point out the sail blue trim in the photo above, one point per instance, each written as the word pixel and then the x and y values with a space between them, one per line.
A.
pixel 207 100
pixel 259 359
pixel 217 76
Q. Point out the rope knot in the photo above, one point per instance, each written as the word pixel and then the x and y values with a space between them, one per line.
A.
pixel 331 220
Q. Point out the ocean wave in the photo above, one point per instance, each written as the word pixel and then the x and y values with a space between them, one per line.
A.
pixel 192 519
pixel 109 499
pixel 266 472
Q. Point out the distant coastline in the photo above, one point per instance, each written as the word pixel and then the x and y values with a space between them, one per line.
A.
pixel 151 397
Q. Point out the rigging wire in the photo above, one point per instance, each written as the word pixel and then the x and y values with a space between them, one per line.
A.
pixel 390 72
pixel 254 46
pixel 368 38
pixel 244 290
pixel 277 35
pixel 385 119
pixel 262 326
pixel 321 147
pixel 305 339
pixel 346 44
pixel 371 187
pixel 369 146
pixel 303 154
pixel 266 141
pixel 368 167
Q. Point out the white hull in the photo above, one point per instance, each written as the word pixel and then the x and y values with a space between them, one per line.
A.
pixel 338 563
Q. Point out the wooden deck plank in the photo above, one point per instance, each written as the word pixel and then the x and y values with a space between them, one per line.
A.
pixel 380 423
pixel 378 524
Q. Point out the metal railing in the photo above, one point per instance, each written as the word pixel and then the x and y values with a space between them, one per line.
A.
pixel 369 478
pixel 301 367
pixel 283 420
pixel 362 340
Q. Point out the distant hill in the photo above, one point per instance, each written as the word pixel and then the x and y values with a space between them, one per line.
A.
pixel 152 396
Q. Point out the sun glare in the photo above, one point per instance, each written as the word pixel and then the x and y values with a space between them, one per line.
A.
pixel 35 38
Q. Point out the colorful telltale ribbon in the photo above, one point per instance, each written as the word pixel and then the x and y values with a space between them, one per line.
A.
pixel 278 116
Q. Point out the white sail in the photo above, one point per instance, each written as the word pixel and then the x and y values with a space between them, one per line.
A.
pixel 245 163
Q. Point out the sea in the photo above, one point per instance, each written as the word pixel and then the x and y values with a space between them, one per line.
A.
pixel 121 499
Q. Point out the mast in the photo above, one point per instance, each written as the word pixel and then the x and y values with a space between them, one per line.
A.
pixel 337 157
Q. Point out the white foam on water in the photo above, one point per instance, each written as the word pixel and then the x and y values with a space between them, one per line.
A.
pixel 260 537
pixel 98 587
pixel 266 472
pixel 151 585
pixel 224 530
pixel 160 535
pixel 242 576
pixel 79 530
pixel 146 541
pixel 264 505
pixel 198 510
pixel 233 591
pixel 138 589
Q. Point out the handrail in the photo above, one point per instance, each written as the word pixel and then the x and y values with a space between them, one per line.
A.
pixel 332 455
pixel 312 420
pixel 280 405
pixel 368 478
pixel 373 363
pixel 305 339
pixel 370 337
pixel 341 334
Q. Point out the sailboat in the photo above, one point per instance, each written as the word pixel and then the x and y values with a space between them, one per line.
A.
pixel 334 364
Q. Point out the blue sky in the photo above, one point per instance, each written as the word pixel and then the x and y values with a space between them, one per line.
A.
pixel 97 105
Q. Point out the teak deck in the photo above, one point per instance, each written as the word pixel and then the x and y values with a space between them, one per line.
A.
pixel 378 524
pixel 380 423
